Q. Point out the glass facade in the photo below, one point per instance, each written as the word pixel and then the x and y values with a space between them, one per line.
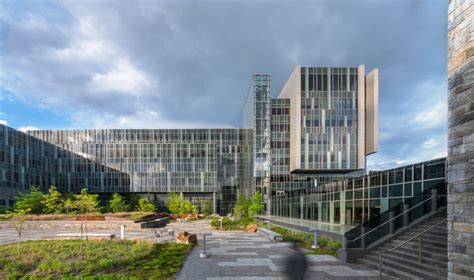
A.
pixel 299 143
pixel 329 110
pixel 258 106
pixel 191 161
pixel 356 200
pixel 26 161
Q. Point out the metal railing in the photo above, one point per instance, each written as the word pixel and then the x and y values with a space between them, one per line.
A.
pixel 420 249
pixel 390 220
pixel 379 226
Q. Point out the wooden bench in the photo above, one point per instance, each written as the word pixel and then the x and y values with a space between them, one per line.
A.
pixel 92 236
pixel 273 236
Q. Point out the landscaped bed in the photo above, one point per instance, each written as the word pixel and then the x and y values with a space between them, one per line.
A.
pixel 304 240
pixel 97 260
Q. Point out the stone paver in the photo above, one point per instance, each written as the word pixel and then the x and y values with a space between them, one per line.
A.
pixel 242 256
pixel 9 235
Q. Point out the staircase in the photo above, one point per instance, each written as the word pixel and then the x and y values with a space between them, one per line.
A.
pixel 404 263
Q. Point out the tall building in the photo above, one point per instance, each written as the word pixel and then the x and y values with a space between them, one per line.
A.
pixel 319 129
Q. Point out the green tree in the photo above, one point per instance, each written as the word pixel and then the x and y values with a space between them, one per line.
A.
pixel 178 205
pixel 86 203
pixel 256 206
pixel 53 201
pixel 241 209
pixel 145 206
pixel 117 204
pixel 188 207
pixel 17 221
pixel 207 208
pixel 30 203
pixel 69 206
pixel 174 203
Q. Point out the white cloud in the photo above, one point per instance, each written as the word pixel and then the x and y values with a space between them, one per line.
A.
pixel 122 78
pixel 4 122
pixel 410 153
pixel 433 116
pixel 27 128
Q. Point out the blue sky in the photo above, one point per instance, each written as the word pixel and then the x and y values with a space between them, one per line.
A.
pixel 187 64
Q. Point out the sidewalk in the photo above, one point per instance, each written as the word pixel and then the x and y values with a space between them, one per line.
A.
pixel 240 255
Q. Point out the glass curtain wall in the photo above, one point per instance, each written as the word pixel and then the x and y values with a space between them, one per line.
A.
pixel 355 200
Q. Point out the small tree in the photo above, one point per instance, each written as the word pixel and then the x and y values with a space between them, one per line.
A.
pixel 30 202
pixel 174 203
pixel 18 223
pixel 69 206
pixel 52 201
pixel 256 207
pixel 207 208
pixel 145 206
pixel 86 203
pixel 178 205
pixel 241 209
pixel 117 204
pixel 188 207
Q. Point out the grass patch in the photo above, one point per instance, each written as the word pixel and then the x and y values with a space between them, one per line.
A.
pixel 103 259
pixel 227 224
pixel 327 246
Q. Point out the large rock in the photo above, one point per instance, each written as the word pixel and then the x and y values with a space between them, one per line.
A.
pixel 251 228
pixel 186 238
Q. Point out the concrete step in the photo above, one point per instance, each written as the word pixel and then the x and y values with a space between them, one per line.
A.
pixel 424 241
pixel 411 261
pixel 442 256
pixel 412 255
pixel 413 269
pixel 401 274
pixel 442 227
pixel 433 237
pixel 426 248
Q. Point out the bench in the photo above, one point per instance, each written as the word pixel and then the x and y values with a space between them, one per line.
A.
pixel 94 236
pixel 273 236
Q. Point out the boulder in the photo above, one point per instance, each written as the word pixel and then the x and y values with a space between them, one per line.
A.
pixel 186 238
pixel 251 228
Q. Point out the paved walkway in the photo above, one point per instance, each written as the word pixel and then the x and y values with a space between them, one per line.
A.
pixel 239 255
pixel 234 255
pixel 9 235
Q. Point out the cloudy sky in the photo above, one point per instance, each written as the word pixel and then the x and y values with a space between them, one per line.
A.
pixel 187 64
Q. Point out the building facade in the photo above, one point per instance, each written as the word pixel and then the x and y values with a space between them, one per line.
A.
pixel 319 129
pixel 460 139
pixel 356 200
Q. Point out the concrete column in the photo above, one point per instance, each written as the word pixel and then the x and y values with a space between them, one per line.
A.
pixel 331 212
pixel 214 206
pixel 391 224
pixel 406 215
pixel 434 200
pixel 302 207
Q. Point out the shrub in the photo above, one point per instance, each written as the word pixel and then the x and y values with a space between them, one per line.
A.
pixel 53 202
pixel 207 208
pixel 117 204
pixel 85 203
pixel 145 206
pixel 256 207
pixel 178 205
pixel 31 202
pixel 241 209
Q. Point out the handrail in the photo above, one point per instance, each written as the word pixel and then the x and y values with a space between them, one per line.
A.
pixel 413 237
pixel 359 237
pixel 381 251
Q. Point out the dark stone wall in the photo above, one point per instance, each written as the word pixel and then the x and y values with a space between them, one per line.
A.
pixel 460 139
